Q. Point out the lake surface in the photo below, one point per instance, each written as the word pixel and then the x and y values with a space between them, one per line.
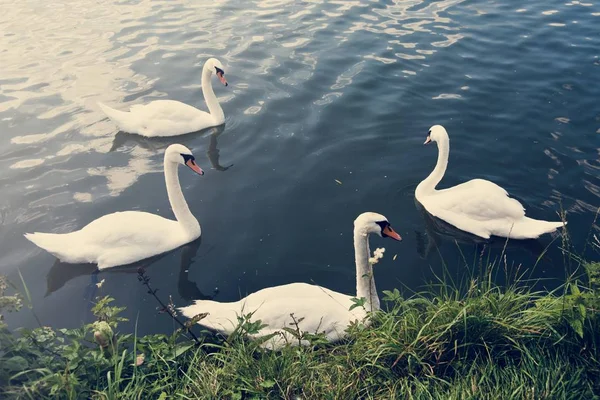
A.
pixel 328 105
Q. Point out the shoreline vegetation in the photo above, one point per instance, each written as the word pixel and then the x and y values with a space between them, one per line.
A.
pixel 474 340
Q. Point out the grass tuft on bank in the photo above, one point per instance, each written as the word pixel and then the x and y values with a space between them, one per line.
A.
pixel 470 342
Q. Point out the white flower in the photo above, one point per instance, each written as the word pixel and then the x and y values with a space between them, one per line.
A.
pixel 99 284
pixel 377 255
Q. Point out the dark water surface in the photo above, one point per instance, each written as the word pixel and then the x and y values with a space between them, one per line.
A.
pixel 319 91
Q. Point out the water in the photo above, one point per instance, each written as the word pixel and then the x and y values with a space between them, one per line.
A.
pixel 319 91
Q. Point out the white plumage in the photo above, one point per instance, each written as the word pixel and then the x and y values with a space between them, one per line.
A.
pixel 125 237
pixel 478 206
pixel 318 309
pixel 170 117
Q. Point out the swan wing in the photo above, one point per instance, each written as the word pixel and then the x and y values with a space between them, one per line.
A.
pixel 121 229
pixel 163 118
pixel 482 185
pixel 170 110
pixel 471 206
pixel 316 309
pixel 480 200
pixel 114 239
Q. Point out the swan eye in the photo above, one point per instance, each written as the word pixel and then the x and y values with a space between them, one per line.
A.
pixel 187 157
pixel 220 70
pixel 383 225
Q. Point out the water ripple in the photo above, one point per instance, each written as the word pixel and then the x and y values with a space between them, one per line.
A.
pixel 319 90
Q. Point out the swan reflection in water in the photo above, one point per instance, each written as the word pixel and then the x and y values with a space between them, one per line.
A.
pixel 158 144
pixel 60 273
pixel 437 230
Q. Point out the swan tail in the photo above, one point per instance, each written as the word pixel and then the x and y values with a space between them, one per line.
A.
pixel 121 118
pixel 51 242
pixel 192 310
pixel 529 228
pixel 220 316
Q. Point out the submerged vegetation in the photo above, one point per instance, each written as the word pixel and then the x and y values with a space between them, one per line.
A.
pixel 475 341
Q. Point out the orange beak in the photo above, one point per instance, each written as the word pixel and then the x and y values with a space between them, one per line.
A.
pixel 392 233
pixel 222 78
pixel 428 140
pixel 194 167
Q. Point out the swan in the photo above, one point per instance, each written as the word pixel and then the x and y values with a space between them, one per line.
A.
pixel 478 206
pixel 170 117
pixel 125 237
pixel 315 308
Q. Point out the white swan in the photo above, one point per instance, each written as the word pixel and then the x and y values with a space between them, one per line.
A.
pixel 125 237
pixel 172 118
pixel 478 206
pixel 317 309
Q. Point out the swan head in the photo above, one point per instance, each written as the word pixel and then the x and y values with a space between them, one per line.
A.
pixel 436 133
pixel 370 222
pixel 214 66
pixel 179 154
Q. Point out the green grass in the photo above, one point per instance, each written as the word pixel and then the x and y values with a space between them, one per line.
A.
pixel 477 341
pixel 484 344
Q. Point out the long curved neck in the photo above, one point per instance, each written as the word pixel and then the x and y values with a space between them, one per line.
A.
pixel 209 96
pixel 180 208
pixel 428 185
pixel 365 282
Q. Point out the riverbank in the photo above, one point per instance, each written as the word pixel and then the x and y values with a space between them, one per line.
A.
pixel 473 341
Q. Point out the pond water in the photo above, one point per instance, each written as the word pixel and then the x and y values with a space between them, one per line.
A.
pixel 328 105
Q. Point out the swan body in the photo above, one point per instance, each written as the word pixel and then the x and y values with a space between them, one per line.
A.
pixel 170 117
pixel 478 206
pixel 125 237
pixel 316 309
